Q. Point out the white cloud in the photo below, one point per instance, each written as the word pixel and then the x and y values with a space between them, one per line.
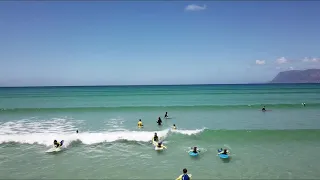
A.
pixel 282 60
pixel 260 62
pixel 314 60
pixel 311 59
pixel 193 7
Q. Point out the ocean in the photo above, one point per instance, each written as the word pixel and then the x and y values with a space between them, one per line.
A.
pixel 281 143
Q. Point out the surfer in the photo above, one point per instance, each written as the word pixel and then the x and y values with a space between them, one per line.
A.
pixel 159 121
pixel 77 131
pixel 140 123
pixel 304 104
pixel 155 137
pixel 56 144
pixel 195 150
pixel 166 115
pixel 264 108
pixel 174 126
pixel 160 145
pixel 225 151
pixel 184 176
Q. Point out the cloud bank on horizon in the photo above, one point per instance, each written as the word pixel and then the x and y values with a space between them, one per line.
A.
pixel 114 43
pixel 194 7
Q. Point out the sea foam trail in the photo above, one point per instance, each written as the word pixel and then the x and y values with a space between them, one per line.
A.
pixel 85 137
pixel 90 137
pixel 188 132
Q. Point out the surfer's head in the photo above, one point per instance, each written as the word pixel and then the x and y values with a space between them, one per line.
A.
pixel 155 134
pixel 195 148
pixel 174 124
pixel 55 141
pixel 184 170
pixel 139 119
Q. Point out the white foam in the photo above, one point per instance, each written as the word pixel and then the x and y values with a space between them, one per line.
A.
pixel 188 132
pixel 86 138
pixel 27 126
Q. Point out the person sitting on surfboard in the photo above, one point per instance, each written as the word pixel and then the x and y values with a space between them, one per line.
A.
pixel 264 108
pixel 184 176
pixel 159 121
pixel 166 115
pixel 56 144
pixel 225 151
pixel 140 123
pixel 155 137
pixel 195 150
pixel 174 126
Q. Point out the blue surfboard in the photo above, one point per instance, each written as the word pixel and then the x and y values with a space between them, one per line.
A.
pixel 193 154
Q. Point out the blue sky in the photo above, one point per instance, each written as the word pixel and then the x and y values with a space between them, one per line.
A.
pixel 113 43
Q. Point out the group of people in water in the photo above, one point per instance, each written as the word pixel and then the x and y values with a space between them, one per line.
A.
pixel 159 122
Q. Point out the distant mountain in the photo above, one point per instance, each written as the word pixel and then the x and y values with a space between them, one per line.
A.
pixel 298 76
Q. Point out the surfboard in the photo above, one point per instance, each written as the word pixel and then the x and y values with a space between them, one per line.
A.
pixel 159 148
pixel 191 153
pixel 224 156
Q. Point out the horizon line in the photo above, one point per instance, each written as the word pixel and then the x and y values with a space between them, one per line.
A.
pixel 36 86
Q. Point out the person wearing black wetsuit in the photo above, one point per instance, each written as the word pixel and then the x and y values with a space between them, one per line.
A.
pixel 166 115
pixel 155 137
pixel 263 109
pixel 159 121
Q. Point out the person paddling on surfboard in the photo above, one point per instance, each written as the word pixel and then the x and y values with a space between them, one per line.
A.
pixel 56 144
pixel 225 151
pixel 184 176
pixel 264 108
pixel 160 145
pixel 174 126
pixel 159 121
pixel 195 150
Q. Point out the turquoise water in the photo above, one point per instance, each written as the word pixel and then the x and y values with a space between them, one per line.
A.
pixel 277 144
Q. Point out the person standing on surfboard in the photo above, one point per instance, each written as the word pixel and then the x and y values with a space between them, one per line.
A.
pixel 166 115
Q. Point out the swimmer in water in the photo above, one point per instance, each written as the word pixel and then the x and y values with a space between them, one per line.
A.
pixel 140 123
pixel 159 121
pixel 264 108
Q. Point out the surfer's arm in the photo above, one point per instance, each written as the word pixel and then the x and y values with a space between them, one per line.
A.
pixel 179 178
pixel 164 146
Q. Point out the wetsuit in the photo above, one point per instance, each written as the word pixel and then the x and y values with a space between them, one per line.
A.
pixel 159 121
pixel 155 138
pixel 184 177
